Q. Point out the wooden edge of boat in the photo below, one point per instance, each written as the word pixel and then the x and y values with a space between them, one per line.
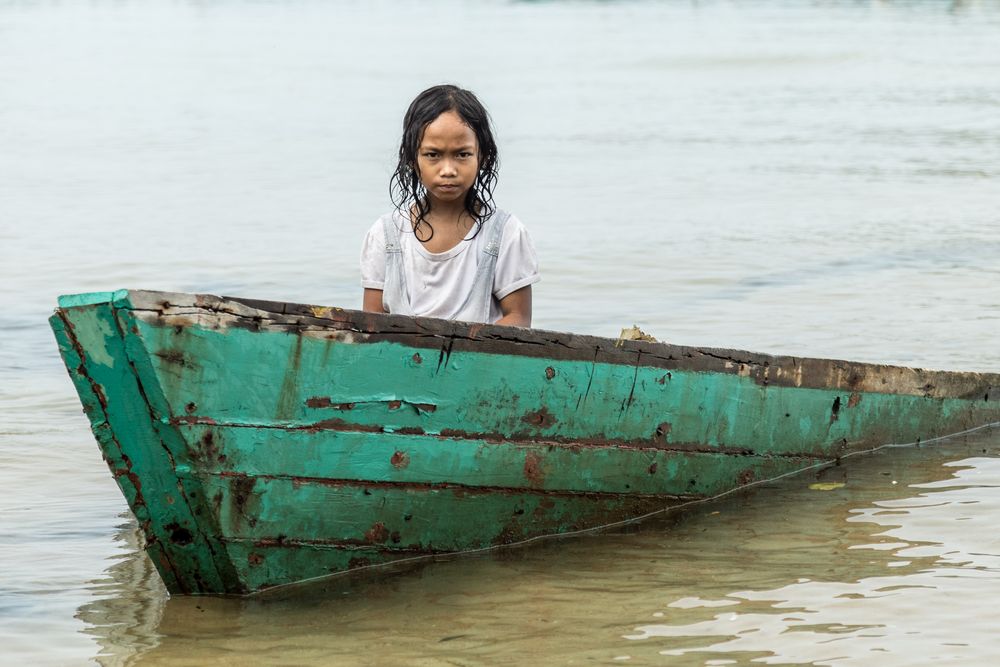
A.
pixel 144 441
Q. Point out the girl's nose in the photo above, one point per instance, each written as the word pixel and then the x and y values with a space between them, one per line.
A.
pixel 448 168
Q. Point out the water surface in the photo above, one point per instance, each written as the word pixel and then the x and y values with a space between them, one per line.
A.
pixel 816 179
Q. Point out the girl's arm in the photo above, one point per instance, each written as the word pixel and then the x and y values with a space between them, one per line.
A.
pixel 372 301
pixel 516 307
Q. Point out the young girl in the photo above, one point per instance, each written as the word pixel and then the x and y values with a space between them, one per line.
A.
pixel 447 251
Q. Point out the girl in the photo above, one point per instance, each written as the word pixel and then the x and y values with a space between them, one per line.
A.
pixel 447 251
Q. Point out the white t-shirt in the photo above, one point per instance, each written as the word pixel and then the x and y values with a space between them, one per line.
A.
pixel 439 282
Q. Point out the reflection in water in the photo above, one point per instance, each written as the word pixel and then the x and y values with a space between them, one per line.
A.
pixel 129 604
pixel 871 601
pixel 785 573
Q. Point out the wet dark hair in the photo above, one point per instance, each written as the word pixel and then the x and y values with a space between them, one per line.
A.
pixel 405 188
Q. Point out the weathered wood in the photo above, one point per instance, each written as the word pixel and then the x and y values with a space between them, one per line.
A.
pixel 260 443
pixel 474 465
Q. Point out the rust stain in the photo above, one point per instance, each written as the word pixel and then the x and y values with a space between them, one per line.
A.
pixel 835 410
pixel 550 373
pixel 456 490
pixel 134 480
pixel 394 405
pixel 254 559
pixel 208 447
pixel 318 402
pixel 242 489
pixel 191 419
pixel 179 535
pixel 662 431
pixel 533 469
pixel 541 418
pixel 652 442
pixel 510 533
pixel 176 357
pixel 745 477
pixel 417 359
pixel 286 543
pixel 854 400
pixel 102 398
pixel 190 408
pixel 377 534
pixel 410 430
pixel 325 402
pixel 338 424
pixel 855 380
pixel 425 407
pixel 358 562
pixel 652 468
pixel 400 460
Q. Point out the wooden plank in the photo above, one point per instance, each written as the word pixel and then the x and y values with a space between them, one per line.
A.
pixel 268 564
pixel 301 381
pixel 412 518
pixel 420 459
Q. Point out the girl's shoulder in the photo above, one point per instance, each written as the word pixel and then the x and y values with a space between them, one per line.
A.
pixel 513 222
pixel 510 221
pixel 513 227
pixel 378 229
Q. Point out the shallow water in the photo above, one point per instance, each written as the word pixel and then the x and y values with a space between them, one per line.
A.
pixel 883 570
pixel 813 179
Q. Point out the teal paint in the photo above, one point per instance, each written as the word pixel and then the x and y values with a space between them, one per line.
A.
pixel 258 448
pixel 89 298
pixel 372 376
pixel 407 519
pixel 165 505
pixel 421 459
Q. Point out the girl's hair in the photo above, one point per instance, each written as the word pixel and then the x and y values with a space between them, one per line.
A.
pixel 405 188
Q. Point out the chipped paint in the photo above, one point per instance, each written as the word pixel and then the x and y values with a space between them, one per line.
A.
pixel 216 417
pixel 533 469
pixel 400 459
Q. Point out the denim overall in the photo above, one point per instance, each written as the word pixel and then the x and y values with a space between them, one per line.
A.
pixel 480 297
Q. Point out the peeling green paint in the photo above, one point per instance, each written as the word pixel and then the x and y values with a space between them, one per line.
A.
pixel 259 446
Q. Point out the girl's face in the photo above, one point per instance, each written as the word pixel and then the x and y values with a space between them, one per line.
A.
pixel 448 158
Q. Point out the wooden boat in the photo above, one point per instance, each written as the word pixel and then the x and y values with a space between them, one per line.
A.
pixel 262 443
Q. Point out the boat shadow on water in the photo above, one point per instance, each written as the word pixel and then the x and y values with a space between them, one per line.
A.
pixel 774 570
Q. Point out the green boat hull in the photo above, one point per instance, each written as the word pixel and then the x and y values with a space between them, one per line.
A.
pixel 264 443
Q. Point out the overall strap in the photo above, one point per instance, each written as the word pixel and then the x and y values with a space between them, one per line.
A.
pixel 479 302
pixel 394 294
pixel 499 221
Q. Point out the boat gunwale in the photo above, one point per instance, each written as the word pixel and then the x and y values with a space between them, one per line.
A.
pixel 448 336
